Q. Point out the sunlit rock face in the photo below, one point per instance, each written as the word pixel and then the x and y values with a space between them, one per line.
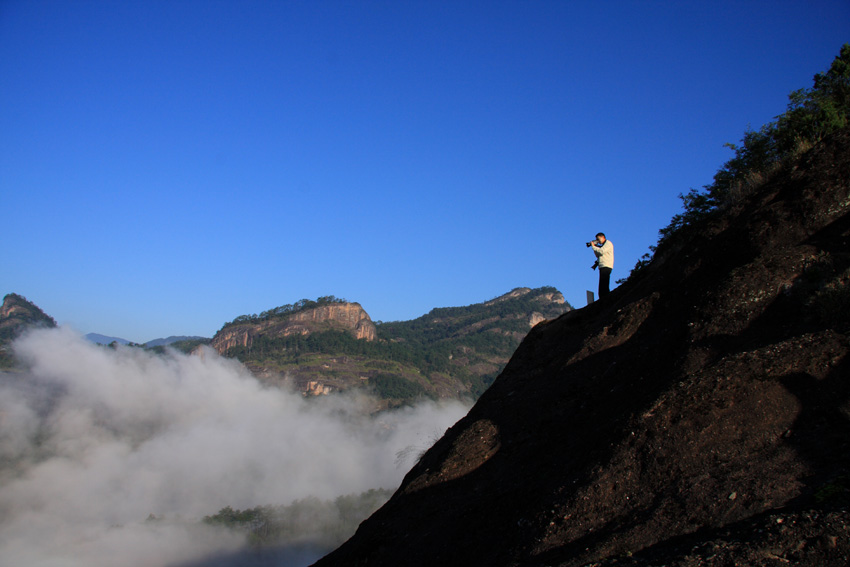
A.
pixel 349 317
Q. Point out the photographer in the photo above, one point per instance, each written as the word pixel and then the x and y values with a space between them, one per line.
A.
pixel 604 251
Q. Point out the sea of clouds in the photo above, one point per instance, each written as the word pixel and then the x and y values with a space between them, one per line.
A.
pixel 95 440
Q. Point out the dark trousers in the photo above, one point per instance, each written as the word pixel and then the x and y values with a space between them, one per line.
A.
pixel 604 282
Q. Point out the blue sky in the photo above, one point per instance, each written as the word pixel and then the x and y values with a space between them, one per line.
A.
pixel 168 166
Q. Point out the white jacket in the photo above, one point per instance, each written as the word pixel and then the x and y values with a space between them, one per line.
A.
pixel 605 254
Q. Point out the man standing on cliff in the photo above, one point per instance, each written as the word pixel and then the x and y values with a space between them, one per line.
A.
pixel 604 251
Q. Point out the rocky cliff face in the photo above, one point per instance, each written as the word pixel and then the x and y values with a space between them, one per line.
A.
pixel 449 352
pixel 698 415
pixel 349 317
pixel 16 315
pixel 16 311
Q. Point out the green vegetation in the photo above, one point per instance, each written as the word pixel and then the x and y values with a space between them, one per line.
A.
pixel 186 346
pixel 189 345
pixel 390 386
pixel 22 315
pixel 811 115
pixel 452 345
pixel 313 520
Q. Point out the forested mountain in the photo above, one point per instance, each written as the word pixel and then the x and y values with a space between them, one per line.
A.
pixel 332 345
pixel 174 340
pixel 16 315
pixel 99 339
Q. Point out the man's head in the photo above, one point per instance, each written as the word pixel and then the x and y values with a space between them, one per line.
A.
pixel 600 237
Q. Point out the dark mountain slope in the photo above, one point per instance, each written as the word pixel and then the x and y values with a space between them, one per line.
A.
pixel 699 415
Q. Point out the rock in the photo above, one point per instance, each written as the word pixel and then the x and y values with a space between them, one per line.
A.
pixel 349 317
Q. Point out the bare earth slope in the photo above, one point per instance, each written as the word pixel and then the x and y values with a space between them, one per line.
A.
pixel 699 415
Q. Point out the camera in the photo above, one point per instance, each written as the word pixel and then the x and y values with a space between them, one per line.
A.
pixel 591 243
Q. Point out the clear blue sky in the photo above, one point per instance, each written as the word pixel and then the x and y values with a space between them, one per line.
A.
pixel 167 166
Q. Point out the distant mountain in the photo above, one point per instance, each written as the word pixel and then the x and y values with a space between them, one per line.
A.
pixel 170 340
pixel 104 340
pixel 17 314
pixel 181 343
pixel 331 345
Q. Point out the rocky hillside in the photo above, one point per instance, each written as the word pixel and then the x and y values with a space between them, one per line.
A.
pixel 698 415
pixel 16 315
pixel 338 316
pixel 331 345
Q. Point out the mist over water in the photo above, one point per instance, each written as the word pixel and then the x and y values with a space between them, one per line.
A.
pixel 93 441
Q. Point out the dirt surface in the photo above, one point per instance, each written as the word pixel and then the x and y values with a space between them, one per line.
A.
pixel 698 415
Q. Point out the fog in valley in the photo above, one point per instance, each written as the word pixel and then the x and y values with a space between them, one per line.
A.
pixel 96 442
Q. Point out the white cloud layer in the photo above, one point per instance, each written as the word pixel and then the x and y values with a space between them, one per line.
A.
pixel 94 440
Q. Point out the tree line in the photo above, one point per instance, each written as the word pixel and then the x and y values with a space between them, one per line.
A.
pixel 811 115
pixel 327 522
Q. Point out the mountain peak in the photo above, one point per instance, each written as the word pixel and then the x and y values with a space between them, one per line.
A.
pixel 320 347
pixel 18 314
pixel 18 309
pixel 549 294
pixel 312 317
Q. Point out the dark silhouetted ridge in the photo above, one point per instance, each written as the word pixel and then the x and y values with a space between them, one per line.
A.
pixel 699 415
